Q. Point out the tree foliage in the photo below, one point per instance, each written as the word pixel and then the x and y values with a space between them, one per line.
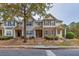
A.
pixel 74 27
pixel 70 35
pixel 25 10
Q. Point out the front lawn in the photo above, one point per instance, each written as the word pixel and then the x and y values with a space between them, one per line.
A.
pixel 66 42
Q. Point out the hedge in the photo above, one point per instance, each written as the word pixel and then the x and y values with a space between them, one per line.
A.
pixel 51 37
pixel 70 35
pixel 5 38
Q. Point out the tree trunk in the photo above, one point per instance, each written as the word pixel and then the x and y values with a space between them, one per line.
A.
pixel 24 24
pixel 24 31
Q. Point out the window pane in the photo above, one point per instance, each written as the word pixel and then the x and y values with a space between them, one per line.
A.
pixel 8 33
pixel 29 32
pixel 29 24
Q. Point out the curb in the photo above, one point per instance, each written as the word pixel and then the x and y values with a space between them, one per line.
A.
pixel 41 47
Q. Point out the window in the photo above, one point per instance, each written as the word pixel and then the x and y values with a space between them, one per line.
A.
pixel 8 33
pixel 13 23
pixel 29 24
pixel 47 22
pixel 58 31
pixel 9 23
pixel 46 32
pixel 52 32
pixel 9 28
pixel 6 23
pixel 29 32
pixel 52 23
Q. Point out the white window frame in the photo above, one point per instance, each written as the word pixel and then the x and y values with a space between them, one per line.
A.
pixel 7 31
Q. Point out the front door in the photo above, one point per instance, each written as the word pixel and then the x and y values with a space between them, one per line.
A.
pixel 18 33
pixel 38 33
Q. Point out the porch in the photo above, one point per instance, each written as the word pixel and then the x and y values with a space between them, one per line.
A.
pixel 17 32
pixel 55 31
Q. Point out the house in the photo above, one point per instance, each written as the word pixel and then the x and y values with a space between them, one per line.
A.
pixel 34 28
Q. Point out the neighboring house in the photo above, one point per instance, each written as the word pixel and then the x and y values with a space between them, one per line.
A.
pixel 34 28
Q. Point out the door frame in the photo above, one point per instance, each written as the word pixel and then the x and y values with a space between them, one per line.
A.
pixel 38 32
pixel 16 33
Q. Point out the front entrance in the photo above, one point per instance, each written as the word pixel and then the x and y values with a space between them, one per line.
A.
pixel 38 33
pixel 18 33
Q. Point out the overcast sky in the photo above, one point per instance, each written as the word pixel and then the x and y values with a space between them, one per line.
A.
pixel 68 12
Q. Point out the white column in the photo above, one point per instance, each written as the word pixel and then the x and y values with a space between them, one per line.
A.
pixel 34 33
pixel 60 33
pixel 14 34
pixel 22 32
pixel 43 33
pixel 56 32
pixel 2 32
pixel 65 33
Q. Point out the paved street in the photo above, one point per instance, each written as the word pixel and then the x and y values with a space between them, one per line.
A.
pixel 39 52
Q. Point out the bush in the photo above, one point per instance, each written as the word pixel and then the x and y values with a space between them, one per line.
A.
pixel 5 38
pixel 32 37
pixel 56 37
pixel 70 35
pixel 49 37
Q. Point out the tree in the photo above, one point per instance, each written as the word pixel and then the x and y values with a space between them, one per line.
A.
pixel 74 27
pixel 25 10
pixel 70 35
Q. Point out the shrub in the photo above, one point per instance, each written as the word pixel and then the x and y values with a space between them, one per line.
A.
pixel 50 37
pixel 56 37
pixel 32 37
pixel 70 35
pixel 5 38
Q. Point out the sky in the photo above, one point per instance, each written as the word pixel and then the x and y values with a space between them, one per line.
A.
pixel 68 12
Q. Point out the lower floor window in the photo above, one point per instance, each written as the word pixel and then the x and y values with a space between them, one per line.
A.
pixel 29 32
pixel 46 32
pixel 58 31
pixel 8 33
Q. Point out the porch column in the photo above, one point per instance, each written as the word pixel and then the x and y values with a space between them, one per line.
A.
pixel 35 34
pixel 2 32
pixel 14 35
pixel 65 33
pixel 60 33
pixel 56 32
pixel 43 33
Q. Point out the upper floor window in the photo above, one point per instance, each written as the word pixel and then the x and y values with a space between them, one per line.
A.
pixel 9 23
pixel 47 22
pixel 52 22
pixel 29 24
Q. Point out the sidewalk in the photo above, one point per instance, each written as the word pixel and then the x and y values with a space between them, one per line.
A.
pixel 40 47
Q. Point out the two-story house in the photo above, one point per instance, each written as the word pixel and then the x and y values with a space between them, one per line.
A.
pixel 34 28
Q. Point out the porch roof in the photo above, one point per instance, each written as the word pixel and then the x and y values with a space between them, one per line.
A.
pixel 18 28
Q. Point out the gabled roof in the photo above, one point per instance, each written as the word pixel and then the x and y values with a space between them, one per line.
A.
pixel 51 17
